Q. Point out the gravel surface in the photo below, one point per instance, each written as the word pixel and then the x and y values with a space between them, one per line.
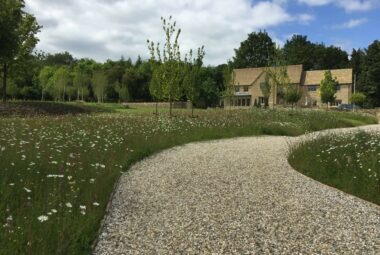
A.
pixel 235 196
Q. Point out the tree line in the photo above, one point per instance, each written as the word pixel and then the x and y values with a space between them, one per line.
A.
pixel 29 75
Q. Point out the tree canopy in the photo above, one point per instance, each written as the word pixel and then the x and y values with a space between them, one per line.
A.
pixel 17 36
pixel 256 51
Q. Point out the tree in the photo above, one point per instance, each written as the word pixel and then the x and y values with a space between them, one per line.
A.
pixel 256 51
pixel 169 73
pixel 370 76
pixel 99 82
pixel 358 98
pixel 122 90
pixel 292 95
pixel 81 80
pixel 144 71
pixel 329 57
pixel 229 85
pixel 155 85
pixel 266 88
pixel 191 81
pixel 60 59
pixel 277 74
pixel 13 91
pixel 328 88
pixel 299 50
pixel 61 80
pixel 17 36
pixel 46 81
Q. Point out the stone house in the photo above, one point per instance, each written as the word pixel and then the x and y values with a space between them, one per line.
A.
pixel 248 82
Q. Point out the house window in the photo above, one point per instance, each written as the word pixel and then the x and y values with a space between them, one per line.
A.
pixel 248 102
pixel 312 88
pixel 245 88
pixel 237 89
pixel 337 87
pixel 243 102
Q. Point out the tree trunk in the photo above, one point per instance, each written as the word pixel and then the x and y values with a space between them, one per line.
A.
pixel 42 96
pixel 192 109
pixel 5 72
pixel 170 107
pixel 156 108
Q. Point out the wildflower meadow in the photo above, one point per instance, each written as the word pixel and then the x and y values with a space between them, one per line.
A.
pixel 58 172
pixel 349 162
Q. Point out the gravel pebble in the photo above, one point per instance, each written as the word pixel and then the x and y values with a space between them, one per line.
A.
pixel 235 196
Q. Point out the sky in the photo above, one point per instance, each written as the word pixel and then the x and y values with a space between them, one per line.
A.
pixel 109 29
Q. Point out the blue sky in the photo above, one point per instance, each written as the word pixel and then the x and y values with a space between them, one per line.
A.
pixel 334 25
pixel 109 29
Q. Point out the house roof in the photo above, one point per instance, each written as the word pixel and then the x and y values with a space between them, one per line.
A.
pixel 247 76
pixel 344 76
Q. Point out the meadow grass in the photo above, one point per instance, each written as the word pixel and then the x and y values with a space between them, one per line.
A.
pixel 349 162
pixel 57 172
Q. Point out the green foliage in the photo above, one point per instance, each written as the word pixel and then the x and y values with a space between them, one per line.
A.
pixel 168 71
pixel 330 57
pixel 46 80
pixel 292 95
pixel 81 80
pixel 17 36
pixel 13 91
pixel 123 91
pixel 256 51
pixel 266 88
pixel 168 67
pixel 358 98
pixel 328 88
pixel 370 74
pixel 192 76
pixel 61 80
pixel 276 75
pixel 100 82
pixel 299 50
pixel 155 86
pixel 229 85
pixel 349 162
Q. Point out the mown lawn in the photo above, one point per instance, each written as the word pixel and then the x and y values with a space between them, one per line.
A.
pixel 58 171
pixel 349 162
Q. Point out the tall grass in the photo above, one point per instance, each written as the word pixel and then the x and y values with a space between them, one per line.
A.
pixel 57 172
pixel 349 162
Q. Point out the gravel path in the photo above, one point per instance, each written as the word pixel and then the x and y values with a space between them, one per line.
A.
pixel 236 196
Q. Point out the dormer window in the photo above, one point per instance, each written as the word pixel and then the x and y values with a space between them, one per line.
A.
pixel 237 89
pixel 245 88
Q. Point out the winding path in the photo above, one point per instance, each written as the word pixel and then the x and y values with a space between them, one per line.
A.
pixel 236 196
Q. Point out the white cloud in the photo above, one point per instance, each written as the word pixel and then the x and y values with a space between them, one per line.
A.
pixel 305 18
pixel 103 29
pixel 351 23
pixel 348 5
